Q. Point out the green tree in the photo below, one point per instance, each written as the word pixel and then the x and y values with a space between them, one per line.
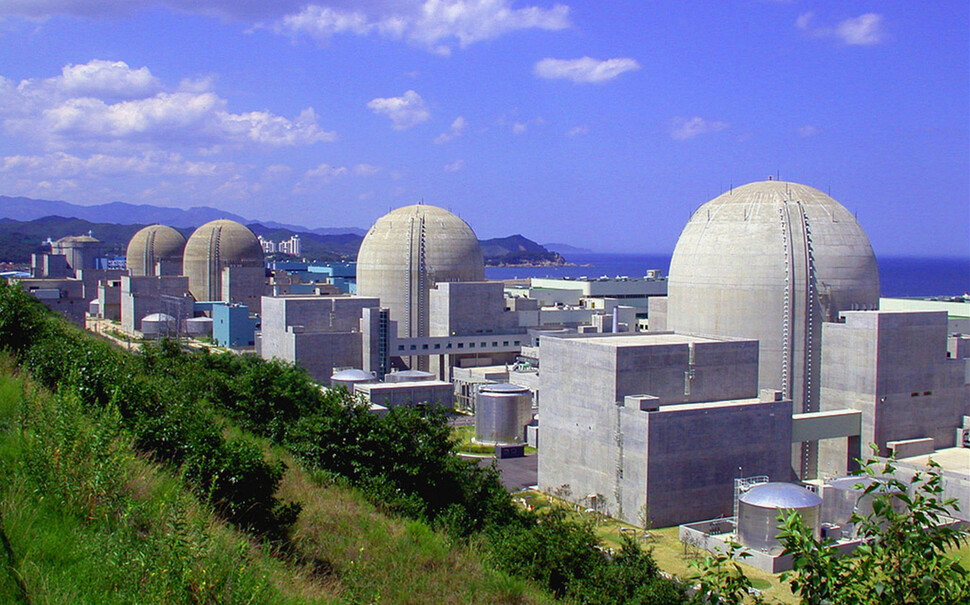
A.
pixel 903 557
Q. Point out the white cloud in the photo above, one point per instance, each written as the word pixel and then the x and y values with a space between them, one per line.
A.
pixel 520 128
pixel 585 70
pixel 687 128
pixel 807 130
pixel 455 166
pixel 437 25
pixel 456 129
pixel 433 24
pixel 102 79
pixel 366 170
pixel 98 177
pixel 326 172
pixel 405 111
pixel 104 103
pixel 60 165
pixel 577 130
pixel 865 30
pixel 248 9
pixel 314 179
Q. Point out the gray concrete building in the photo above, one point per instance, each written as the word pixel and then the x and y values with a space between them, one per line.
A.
pixel 143 296
pixel 900 371
pixel 319 333
pixel 398 394
pixel 656 424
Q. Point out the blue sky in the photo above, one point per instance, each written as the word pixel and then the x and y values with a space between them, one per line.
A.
pixel 600 124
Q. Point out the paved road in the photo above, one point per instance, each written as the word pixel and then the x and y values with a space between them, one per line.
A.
pixel 517 473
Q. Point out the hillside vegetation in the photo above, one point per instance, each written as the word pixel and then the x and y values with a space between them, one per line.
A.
pixel 157 446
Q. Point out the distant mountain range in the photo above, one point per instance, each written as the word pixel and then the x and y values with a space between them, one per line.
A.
pixel 121 213
pixel 20 238
pixel 566 249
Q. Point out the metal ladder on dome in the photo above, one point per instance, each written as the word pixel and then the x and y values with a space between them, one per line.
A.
pixel 811 297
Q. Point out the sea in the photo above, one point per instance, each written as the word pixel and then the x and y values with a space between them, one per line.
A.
pixel 898 276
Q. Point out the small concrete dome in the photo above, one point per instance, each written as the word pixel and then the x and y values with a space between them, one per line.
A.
pixel 352 375
pixel 213 247
pixel 151 245
pixel 78 239
pixel 409 376
pixel 406 252
pixel 158 317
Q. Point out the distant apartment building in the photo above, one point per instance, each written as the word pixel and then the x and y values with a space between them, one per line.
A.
pixel 291 246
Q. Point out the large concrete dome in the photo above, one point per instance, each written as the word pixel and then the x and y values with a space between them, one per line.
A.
pixel 406 252
pixel 772 260
pixel 213 247
pixel 152 245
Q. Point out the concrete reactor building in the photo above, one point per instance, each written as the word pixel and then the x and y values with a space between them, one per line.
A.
pixel 224 261
pixel 406 252
pixel 155 250
pixel 772 261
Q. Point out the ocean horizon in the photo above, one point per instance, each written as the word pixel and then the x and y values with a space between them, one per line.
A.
pixel 898 276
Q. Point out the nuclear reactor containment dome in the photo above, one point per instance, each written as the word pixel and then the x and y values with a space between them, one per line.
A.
pixel 759 507
pixel 80 251
pixel 406 252
pixel 153 245
pixel 213 247
pixel 772 260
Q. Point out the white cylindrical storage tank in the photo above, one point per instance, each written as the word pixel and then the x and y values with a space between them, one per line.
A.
pixel 409 376
pixel 348 378
pixel 846 496
pixel 502 412
pixel 759 507
pixel 198 326
pixel 158 324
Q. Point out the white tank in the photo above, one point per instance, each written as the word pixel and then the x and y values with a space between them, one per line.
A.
pixel 502 412
pixel 348 378
pixel 845 497
pixel 760 506
pixel 409 376
pixel 158 324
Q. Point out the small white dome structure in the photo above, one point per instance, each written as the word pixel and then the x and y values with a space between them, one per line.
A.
pixel 406 252
pixel 759 507
pixel 349 377
pixel 158 324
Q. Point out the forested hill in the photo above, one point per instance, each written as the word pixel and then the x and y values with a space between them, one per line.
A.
pixel 19 239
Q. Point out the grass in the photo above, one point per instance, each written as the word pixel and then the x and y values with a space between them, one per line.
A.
pixel 367 556
pixel 667 549
pixel 465 434
pixel 89 521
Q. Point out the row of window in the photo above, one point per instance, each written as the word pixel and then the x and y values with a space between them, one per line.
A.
pixel 460 345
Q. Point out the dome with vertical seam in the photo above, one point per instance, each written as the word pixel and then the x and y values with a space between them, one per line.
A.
pixel 772 260
pixel 406 252
pixel 153 244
